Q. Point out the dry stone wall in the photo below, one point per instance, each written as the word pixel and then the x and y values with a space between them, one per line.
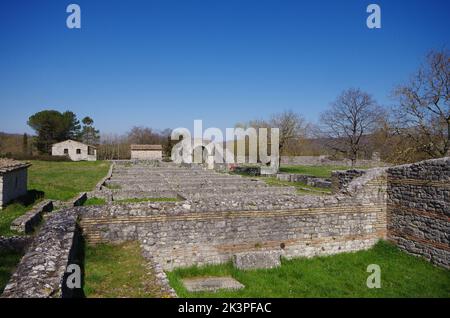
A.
pixel 42 270
pixel 419 209
pixel 213 229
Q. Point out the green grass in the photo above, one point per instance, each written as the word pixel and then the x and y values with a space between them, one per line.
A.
pixel 53 180
pixel 138 200
pixel 301 187
pixel 8 263
pixel 15 209
pixel 94 201
pixel 342 275
pixel 63 180
pixel 316 171
pixel 113 271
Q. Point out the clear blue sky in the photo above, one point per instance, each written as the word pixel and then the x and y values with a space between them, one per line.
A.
pixel 164 63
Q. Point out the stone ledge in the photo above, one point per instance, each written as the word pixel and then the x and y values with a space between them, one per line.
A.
pixel 27 222
pixel 211 284
pixel 78 200
pixel 257 260
pixel 41 271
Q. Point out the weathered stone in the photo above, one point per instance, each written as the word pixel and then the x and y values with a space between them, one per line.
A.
pixel 211 284
pixel 27 222
pixel 257 259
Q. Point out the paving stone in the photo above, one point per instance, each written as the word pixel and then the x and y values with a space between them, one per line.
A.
pixel 211 284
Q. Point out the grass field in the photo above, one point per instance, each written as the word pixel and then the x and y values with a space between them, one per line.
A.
pixel 342 275
pixel 316 171
pixel 64 180
pixel 115 271
pixel 94 201
pixel 53 180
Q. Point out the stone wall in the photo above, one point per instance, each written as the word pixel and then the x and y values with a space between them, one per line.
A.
pixel 214 230
pixel 341 179
pixel 29 221
pixel 42 269
pixel 419 209
pixel 326 161
pixel 306 179
pixel 13 184
pixel 146 154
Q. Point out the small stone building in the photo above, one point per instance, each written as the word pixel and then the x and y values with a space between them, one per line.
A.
pixel 146 152
pixel 75 150
pixel 13 180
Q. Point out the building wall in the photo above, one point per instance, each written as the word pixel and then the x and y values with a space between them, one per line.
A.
pixel 72 146
pixel 13 184
pixel 419 209
pixel 146 154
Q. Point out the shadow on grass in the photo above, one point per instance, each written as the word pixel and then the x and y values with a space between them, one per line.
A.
pixel 30 198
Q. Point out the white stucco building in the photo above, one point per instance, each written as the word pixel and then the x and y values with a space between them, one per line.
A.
pixel 13 180
pixel 75 150
pixel 146 152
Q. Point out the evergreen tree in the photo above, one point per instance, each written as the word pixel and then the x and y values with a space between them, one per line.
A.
pixel 89 134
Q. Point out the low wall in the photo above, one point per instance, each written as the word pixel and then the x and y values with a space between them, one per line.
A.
pixel 101 183
pixel 325 161
pixel 187 233
pixel 30 220
pixel 306 179
pixel 419 209
pixel 41 271
pixel 341 179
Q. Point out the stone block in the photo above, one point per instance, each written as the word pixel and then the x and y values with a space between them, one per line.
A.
pixel 257 260
pixel 211 284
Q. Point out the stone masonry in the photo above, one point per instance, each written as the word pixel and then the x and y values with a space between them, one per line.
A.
pixel 220 217
pixel 419 209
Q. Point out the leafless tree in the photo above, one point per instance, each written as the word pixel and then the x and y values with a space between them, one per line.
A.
pixel 144 135
pixel 423 113
pixel 351 116
pixel 292 127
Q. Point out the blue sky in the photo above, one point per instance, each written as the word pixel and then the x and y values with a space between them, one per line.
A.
pixel 164 63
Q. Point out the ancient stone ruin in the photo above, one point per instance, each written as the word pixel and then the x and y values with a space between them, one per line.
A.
pixel 220 217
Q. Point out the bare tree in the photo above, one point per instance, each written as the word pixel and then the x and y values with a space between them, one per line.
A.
pixel 423 113
pixel 292 126
pixel 144 135
pixel 351 116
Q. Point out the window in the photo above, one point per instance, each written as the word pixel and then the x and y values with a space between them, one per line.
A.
pixel 78 151
pixel 91 151
pixel 66 151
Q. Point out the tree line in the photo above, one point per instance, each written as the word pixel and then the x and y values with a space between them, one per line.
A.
pixel 355 125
